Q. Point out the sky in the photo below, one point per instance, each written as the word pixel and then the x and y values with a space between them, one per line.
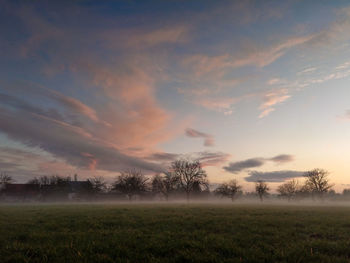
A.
pixel 256 90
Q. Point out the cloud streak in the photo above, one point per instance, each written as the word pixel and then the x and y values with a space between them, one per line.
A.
pixel 208 138
pixel 273 177
pixel 251 55
pixel 76 145
pixel 282 158
pixel 211 158
pixel 271 99
pixel 236 167
pixel 242 165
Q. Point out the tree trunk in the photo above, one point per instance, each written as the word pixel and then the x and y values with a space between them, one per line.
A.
pixel 188 196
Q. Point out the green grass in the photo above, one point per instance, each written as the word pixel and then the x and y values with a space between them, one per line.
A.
pixel 174 233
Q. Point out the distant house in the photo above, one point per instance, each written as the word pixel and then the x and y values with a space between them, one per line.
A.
pixel 71 190
pixel 79 189
pixel 21 192
pixel 57 191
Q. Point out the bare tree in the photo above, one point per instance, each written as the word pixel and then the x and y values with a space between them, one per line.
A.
pixel 157 183
pixel 171 184
pixel 98 184
pixel 317 181
pixel 130 183
pixel 43 180
pixel 289 189
pixel 304 191
pixel 35 180
pixel 261 189
pixel 190 174
pixel 229 189
pixel 5 179
pixel 50 180
pixel 164 184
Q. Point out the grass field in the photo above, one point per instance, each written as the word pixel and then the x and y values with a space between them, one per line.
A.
pixel 174 233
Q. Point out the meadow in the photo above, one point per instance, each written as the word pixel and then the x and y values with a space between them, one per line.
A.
pixel 174 233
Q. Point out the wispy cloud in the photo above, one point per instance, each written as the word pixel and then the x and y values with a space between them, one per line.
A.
pixel 236 167
pixel 273 177
pixel 242 165
pixel 92 135
pixel 23 164
pixel 203 65
pixel 70 143
pixel 276 81
pixel 345 65
pixel 128 114
pixel 272 98
pixel 212 70
pixel 211 158
pixel 205 68
pixel 282 158
pixel 70 104
pixel 208 138
pixel 224 105
pixel 307 70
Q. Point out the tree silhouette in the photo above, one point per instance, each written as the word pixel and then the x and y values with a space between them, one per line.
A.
pixel 5 179
pixel 317 181
pixel 289 189
pixel 130 183
pixel 229 189
pixel 164 184
pixel 261 189
pixel 98 184
pixel 50 180
pixel 189 174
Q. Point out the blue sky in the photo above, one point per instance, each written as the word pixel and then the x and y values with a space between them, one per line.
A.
pixel 96 87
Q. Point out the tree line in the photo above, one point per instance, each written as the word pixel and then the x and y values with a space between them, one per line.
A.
pixel 316 186
pixel 187 178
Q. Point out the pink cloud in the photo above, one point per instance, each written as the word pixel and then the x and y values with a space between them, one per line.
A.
pixel 208 138
pixel 270 99
pixel 131 116
pixel 93 161
pixel 74 104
